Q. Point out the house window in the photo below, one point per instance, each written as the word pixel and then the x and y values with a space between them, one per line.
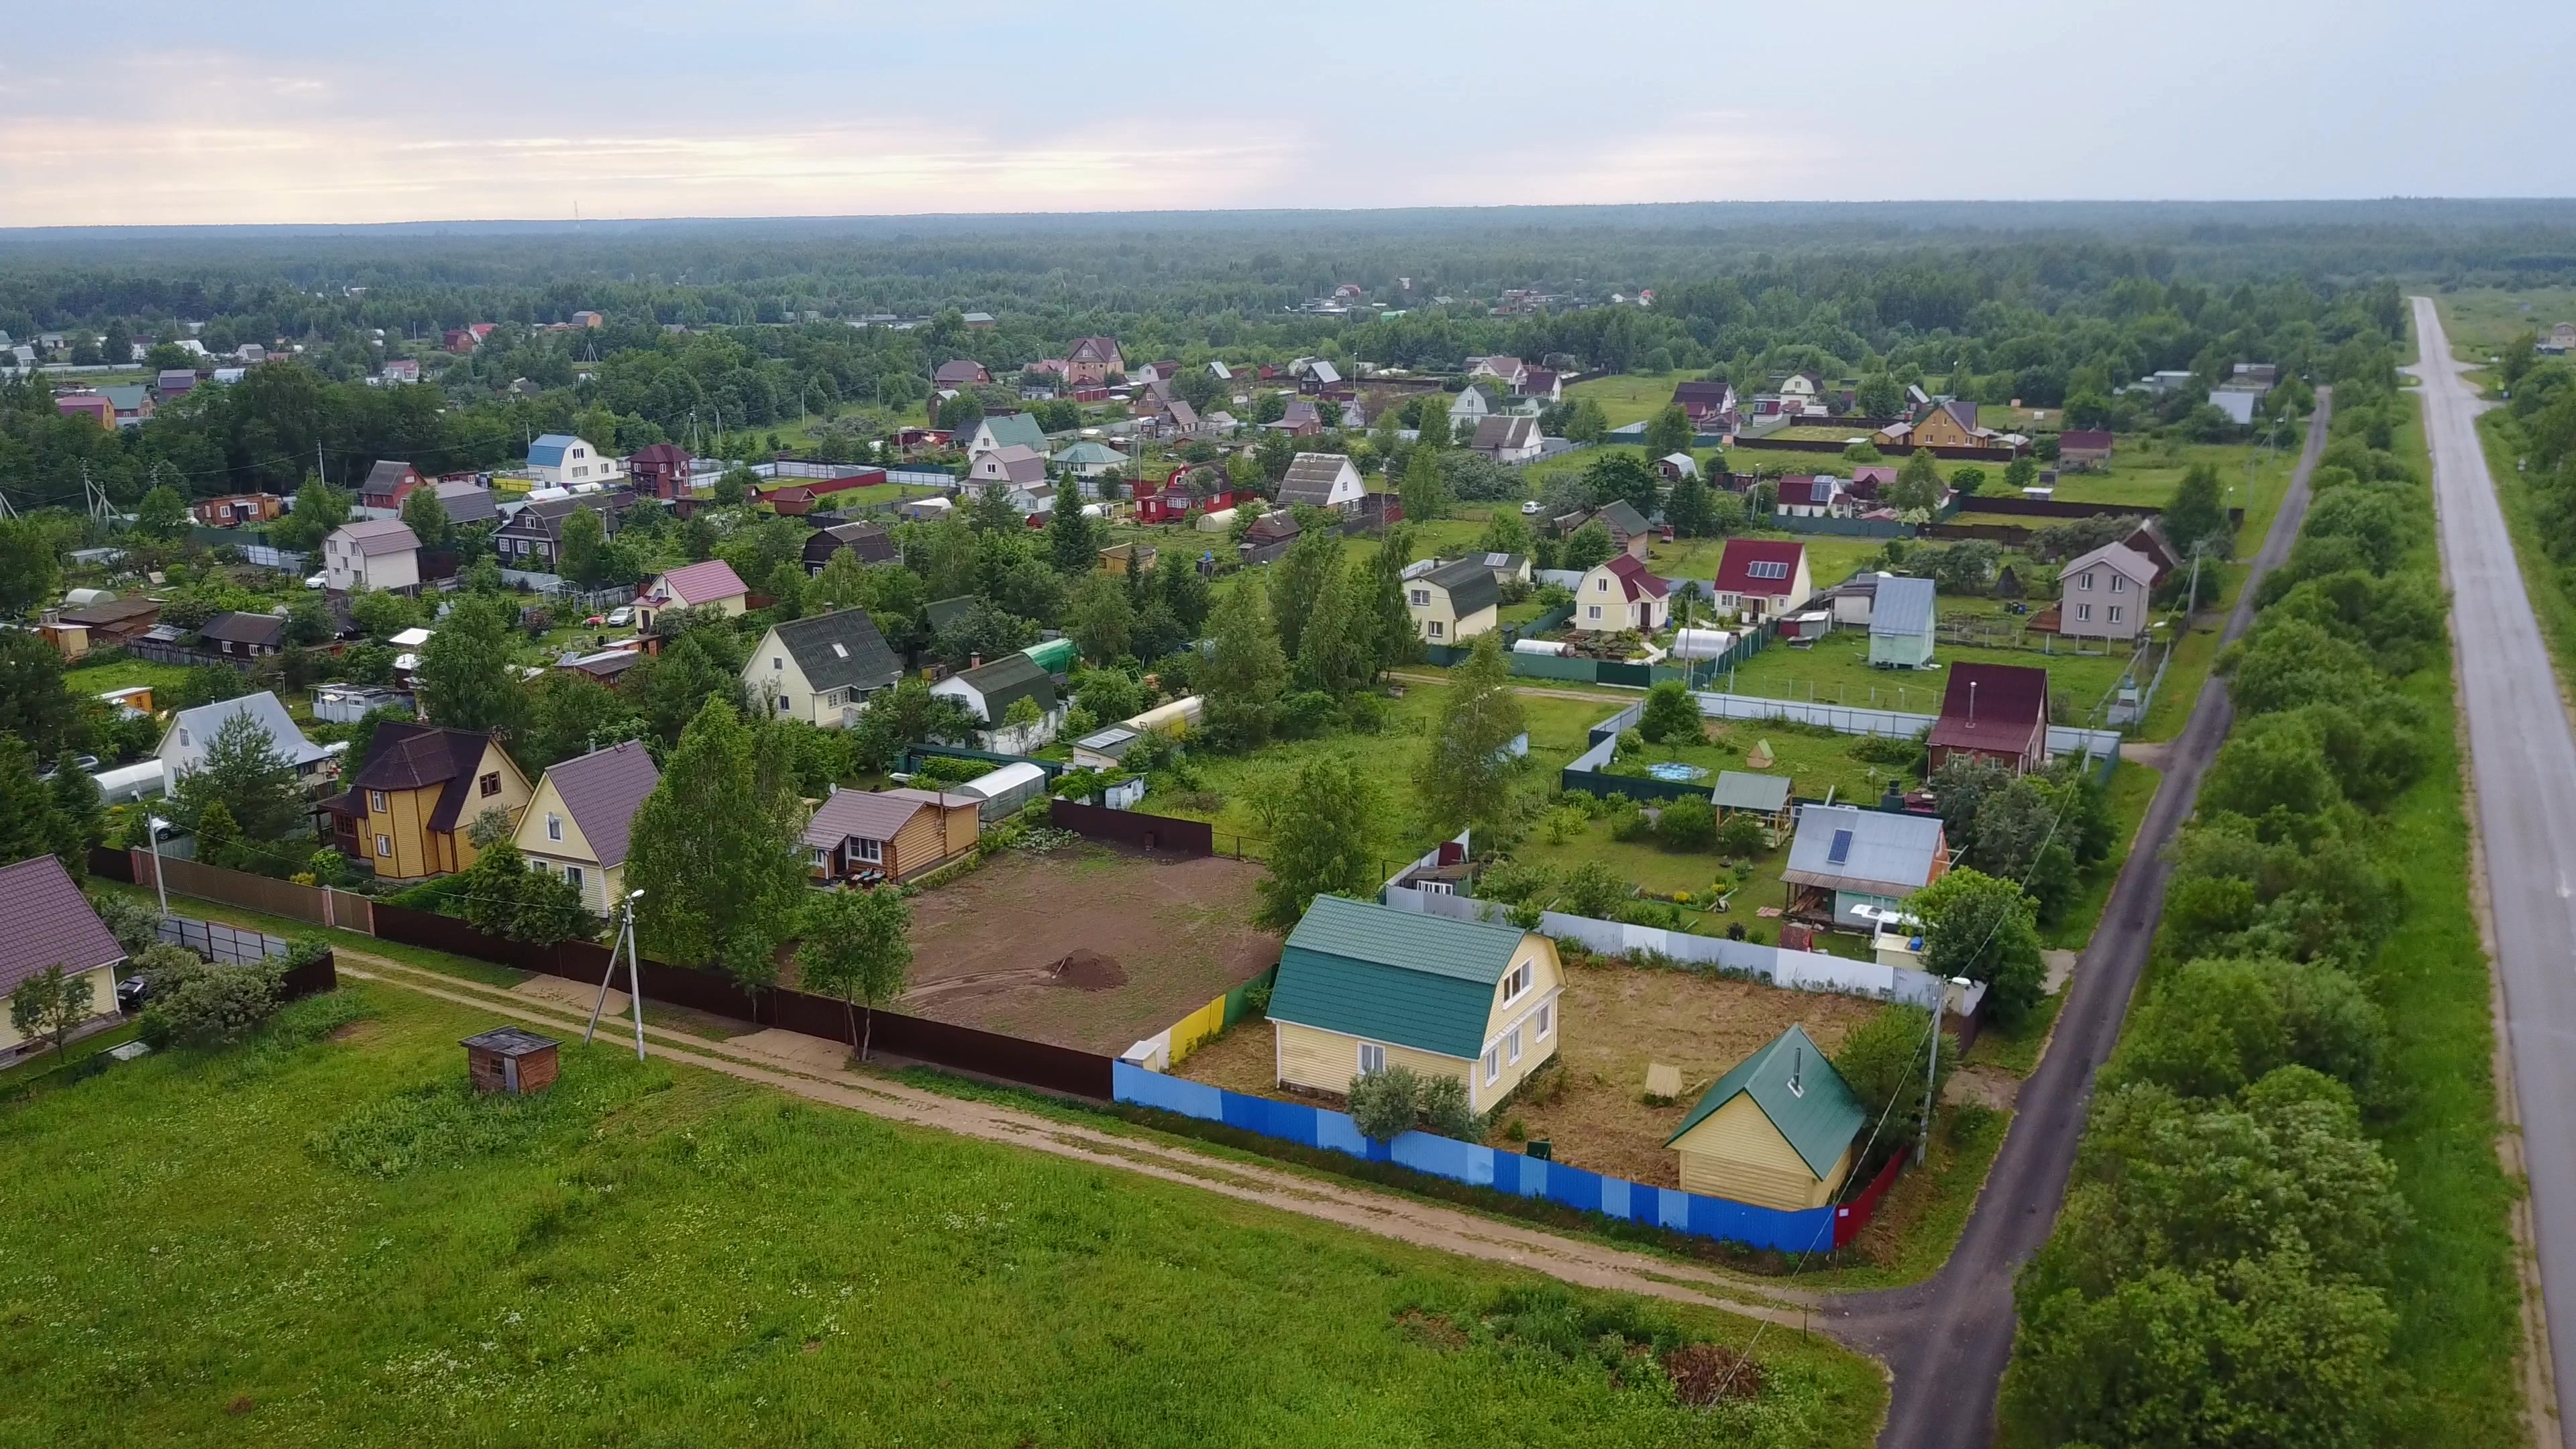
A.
pixel 869 850
pixel 183 738
pixel 376 801
pixel 1421 598
pixel 1546 1020
pixel 1601 584
pixel 2116 612
pixel 490 784
pixel 1493 1064
pixel 2084 580
pixel 822 858
pixel 554 827
pixel 777 662
pixel 1592 611
pixel 1433 626
pixel 1516 983
pixel 2119 583
pixel 1512 1043
pixel 572 876
pixel 2083 611
pixel 1372 1057
pixel 384 845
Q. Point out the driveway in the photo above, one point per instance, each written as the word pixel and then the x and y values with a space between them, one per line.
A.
pixel 1946 1340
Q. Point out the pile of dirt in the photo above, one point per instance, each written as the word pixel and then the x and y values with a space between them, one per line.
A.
pixel 1086 970
pixel 1708 1373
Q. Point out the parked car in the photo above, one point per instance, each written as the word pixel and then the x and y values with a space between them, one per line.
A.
pixel 621 616
pixel 317 581
pixel 131 993
pixel 1531 508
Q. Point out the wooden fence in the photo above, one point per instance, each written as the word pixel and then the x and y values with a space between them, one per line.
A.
pixel 320 905
pixel 937 1043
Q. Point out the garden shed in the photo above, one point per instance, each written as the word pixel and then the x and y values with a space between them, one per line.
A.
pixel 1900 624
pixel 1766 797
pixel 1780 1130
pixel 510 1059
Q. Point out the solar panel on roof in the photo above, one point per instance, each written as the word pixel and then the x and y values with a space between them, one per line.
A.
pixel 1768 569
pixel 1841 851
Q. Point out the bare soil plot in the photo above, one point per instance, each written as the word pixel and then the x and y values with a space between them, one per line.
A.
pixel 1087 947
pixel 1590 1103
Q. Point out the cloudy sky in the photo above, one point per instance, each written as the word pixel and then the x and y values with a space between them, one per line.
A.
pixel 266 111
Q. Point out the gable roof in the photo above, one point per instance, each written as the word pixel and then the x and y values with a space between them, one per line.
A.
pixel 407 756
pixel 380 535
pixel 1469 582
pixel 961 369
pixel 703 583
pixel 1089 454
pixel 202 722
pixel 1636 581
pixel 386 476
pixel 50 924
pixel 1094 349
pixel 940 613
pixel 1619 517
pixel 1880 852
pixel 1735 568
pixel 1512 430
pixel 548 450
pixel 466 501
pixel 1020 428
pixel 602 791
pixel 2085 439
pixel 2116 555
pixel 870 541
pixel 1815 490
pixel 111 611
pixel 1311 477
pixel 1743 790
pixel 1992 707
pixel 267 629
pixel 840 650
pixel 1368 970
pixel 1819 1119
pixel 866 814
pixel 1007 680
pixel 1903 608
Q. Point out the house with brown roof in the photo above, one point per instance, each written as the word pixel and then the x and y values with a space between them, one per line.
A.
pixel 1621 594
pixel 869 541
pixel 1997 711
pixel 376 553
pixel 50 924
pixel 2079 449
pixel 660 470
pixel 532 540
pixel 241 639
pixel 1301 420
pixel 1092 361
pixel 578 822
pixel 107 624
pixel 1760 578
pixel 890 835
pixel 709 585
pixel 1506 370
pixel 960 372
pixel 1322 480
pixel 388 483
pixel 94 406
pixel 411 803
pixel 1269 537
pixel 1510 438
pixel 1628 529
pixel 1948 424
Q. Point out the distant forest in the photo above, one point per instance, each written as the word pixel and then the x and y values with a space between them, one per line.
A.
pixel 2057 304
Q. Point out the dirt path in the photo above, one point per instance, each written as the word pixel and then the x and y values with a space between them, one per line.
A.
pixel 801 1065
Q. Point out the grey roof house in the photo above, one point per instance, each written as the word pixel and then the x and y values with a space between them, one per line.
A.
pixel 1845 856
pixel 1900 624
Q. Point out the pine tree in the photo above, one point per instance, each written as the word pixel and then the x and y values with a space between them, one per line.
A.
pixel 1073 544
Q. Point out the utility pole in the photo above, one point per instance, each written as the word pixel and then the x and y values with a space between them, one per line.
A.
pixel 1932 1068
pixel 634 975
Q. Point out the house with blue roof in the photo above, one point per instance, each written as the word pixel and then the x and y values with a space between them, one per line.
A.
pixel 1781 1130
pixel 560 460
pixel 1363 987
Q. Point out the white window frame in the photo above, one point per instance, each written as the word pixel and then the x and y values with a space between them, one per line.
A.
pixel 1596 611
pixel 1421 598
pixel 2116 612
pixel 1546 1020
pixel 1512 1043
pixel 1372 1057
pixel 1516 982
pixel 2084 581
pixel 1493 1065
pixel 871 851
pixel 376 803
pixel 1433 625
pixel 2084 613
pixel 572 874
pixel 554 826
pixel 2119 583
pixel 384 846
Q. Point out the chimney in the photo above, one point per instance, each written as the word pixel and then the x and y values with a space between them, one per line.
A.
pixel 1797 1069
pixel 976 661
pixel 1972 701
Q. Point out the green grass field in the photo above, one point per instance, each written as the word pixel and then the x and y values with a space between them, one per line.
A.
pixel 94 679
pixel 2146 471
pixel 1626 398
pixel 322 1240
pixel 2478 320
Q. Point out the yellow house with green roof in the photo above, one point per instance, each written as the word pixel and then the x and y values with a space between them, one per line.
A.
pixel 1780 1130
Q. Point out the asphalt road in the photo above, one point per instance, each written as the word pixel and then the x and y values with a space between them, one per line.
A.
pixel 2522 762
pixel 1946 1340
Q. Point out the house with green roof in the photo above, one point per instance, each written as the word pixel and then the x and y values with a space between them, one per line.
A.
pixel 1364 986
pixel 1782 1130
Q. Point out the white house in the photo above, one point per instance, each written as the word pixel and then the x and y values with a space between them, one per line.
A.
pixel 989 690
pixel 1322 480
pixel 560 460
pixel 192 731
pixel 820 670
pixel 1471 406
pixel 2104 593
pixel 1621 594
pixel 379 553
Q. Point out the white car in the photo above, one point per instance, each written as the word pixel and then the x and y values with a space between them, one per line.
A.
pixel 317 581
pixel 1531 508
pixel 620 616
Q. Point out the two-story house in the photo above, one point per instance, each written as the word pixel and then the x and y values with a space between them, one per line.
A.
pixel 1092 361
pixel 378 553
pixel 2103 594
pixel 1455 602
pixel 578 823
pixel 1759 578
pixel 1621 594
pixel 532 539
pixel 560 460
pixel 413 800
pixel 820 670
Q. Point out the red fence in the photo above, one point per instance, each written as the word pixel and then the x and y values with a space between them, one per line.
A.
pixel 1853 1216
pixel 1192 838
pixel 939 1043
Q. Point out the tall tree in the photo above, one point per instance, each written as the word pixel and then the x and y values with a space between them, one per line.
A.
pixel 31 823
pixel 1245 670
pixel 1688 508
pixel 1072 539
pixel 2196 516
pixel 674 689
pixel 36 705
pixel 1918 483
pixel 856 949
pixel 582 556
pixel 426 517
pixel 1103 623
pixel 1982 928
pixel 1466 771
pixel 29 567
pixel 1670 432
pixel 1298 583
pixel 319 508
pixel 1321 828
pixel 1425 491
pixel 1393 641
pixel 1624 476
pixel 717 856
pixel 464 673
pixel 1338 652
pixel 254 781
pixel 163 514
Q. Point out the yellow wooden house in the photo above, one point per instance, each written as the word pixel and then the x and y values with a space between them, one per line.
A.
pixel 1781 1130
pixel 412 801
pixel 1363 986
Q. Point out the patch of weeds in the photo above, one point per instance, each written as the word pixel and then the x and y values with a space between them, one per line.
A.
pixel 448 1124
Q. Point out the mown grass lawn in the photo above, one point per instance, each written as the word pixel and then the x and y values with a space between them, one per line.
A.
pixel 320 1239
pixel 96 679
pixel 1626 398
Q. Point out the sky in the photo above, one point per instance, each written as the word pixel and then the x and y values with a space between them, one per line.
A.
pixel 158 113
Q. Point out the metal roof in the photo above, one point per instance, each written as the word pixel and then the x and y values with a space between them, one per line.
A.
pixel 1740 790
pixel 1469 582
pixel 1796 1086
pixel 602 791
pixel 840 650
pixel 1367 970
pixel 1903 608
pixel 50 924
pixel 1881 853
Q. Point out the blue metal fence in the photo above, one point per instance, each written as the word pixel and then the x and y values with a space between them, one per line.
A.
pixel 1811 1230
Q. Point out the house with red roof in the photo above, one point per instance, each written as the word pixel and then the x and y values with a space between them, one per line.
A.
pixel 1622 594
pixel 2079 449
pixel 1762 578
pixel 1818 495
pixel 1998 711
pixel 709 585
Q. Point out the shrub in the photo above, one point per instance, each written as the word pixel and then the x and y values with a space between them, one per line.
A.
pixel 1594 889
pixel 1443 1101
pixel 209 1005
pixel 1740 835
pixel 1670 714
pixel 1689 823
pixel 136 926
pixel 1383 1102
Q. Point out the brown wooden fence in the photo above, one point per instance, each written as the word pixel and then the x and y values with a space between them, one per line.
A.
pixel 318 904
pixel 938 1043
pixel 1191 838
